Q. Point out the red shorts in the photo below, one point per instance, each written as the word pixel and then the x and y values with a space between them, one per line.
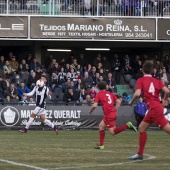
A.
pixel 110 121
pixel 156 116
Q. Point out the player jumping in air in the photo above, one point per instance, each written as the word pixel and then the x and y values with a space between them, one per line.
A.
pixel 150 88
pixel 41 95
pixel 107 100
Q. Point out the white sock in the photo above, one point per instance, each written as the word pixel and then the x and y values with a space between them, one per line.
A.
pixel 48 122
pixel 29 123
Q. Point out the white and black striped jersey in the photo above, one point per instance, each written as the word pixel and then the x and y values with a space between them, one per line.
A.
pixel 41 94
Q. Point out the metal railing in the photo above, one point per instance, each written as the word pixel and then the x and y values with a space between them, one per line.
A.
pixel 138 8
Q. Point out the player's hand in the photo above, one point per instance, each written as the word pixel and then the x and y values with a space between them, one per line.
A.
pixel 164 102
pixel 24 94
pixel 90 112
pixel 130 103
pixel 50 92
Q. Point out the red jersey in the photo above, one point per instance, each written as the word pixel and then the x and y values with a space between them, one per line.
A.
pixel 107 100
pixel 151 88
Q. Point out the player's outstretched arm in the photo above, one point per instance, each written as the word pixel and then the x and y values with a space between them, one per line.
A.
pixel 166 94
pixel 118 103
pixel 93 107
pixel 30 93
pixel 48 93
pixel 135 96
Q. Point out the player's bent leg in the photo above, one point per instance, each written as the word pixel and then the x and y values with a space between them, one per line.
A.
pixel 101 135
pixel 131 126
pixel 143 126
pixel 142 141
pixel 102 126
pixel 167 128
pixel 49 123
pixel 31 119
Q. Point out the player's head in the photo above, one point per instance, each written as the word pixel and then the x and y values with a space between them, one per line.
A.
pixel 148 67
pixel 44 78
pixel 102 85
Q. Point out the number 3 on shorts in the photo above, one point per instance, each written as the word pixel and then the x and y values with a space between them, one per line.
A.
pixel 152 89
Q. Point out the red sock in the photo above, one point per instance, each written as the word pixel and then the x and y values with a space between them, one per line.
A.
pixel 142 142
pixel 120 129
pixel 102 135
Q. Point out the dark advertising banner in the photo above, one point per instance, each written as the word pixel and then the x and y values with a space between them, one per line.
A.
pixel 93 28
pixel 163 29
pixel 65 117
pixel 13 27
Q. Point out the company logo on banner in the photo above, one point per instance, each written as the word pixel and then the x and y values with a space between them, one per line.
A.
pixel 93 28
pixel 13 26
pixel 58 117
pixel 9 116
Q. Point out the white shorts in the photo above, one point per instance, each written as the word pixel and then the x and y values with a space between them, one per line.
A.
pixel 39 111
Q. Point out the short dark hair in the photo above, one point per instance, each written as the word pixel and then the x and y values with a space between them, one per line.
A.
pixel 148 67
pixel 102 85
pixel 44 76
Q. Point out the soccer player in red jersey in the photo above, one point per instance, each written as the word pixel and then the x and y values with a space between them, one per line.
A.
pixel 150 88
pixel 107 101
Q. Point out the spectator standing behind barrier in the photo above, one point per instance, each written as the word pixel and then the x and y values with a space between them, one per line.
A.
pixel 127 65
pixel 11 92
pixel 53 81
pixel 92 93
pixel 97 60
pixel 32 79
pixel 23 67
pixel 38 72
pixel 31 102
pixel 3 85
pixel 14 64
pixel 106 64
pixel 48 60
pixel 82 95
pixel 87 81
pixel 155 74
pixel 69 96
pixel 23 101
pixel 140 111
pixel 2 63
pixel 29 59
pixel 165 76
pixel 166 63
pixel 22 89
pixel 7 69
pixel 55 69
pixel 111 82
pixel 125 99
pixel 116 68
pixel 88 101
pixel 62 63
pixel 82 61
pixel 34 64
pixel 52 65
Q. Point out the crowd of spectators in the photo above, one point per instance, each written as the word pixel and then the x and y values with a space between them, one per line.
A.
pixel 73 79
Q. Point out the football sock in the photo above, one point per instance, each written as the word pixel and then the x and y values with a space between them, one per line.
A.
pixel 102 135
pixel 142 142
pixel 29 122
pixel 48 122
pixel 120 129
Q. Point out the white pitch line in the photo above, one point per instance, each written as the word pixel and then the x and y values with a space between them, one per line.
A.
pixel 20 164
pixel 80 150
pixel 75 167
pixel 150 157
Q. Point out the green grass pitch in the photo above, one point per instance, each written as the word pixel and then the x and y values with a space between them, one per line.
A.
pixel 43 150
